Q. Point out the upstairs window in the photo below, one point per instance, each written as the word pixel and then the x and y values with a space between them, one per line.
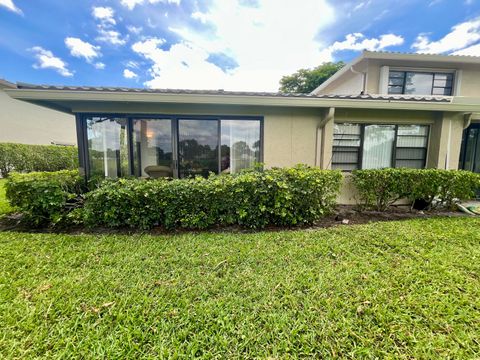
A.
pixel 420 83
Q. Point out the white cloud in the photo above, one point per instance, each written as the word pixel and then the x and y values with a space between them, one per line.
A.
pixel 130 4
pixel 197 15
pixel 99 65
pixel 358 42
pixel 106 28
pixel 132 64
pixel 11 6
pixel 134 29
pixel 460 36
pixel 82 49
pixel 361 5
pixel 267 41
pixel 104 14
pixel 46 60
pixel 110 36
pixel 129 74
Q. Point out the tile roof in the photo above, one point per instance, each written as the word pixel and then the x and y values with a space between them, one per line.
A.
pixel 238 93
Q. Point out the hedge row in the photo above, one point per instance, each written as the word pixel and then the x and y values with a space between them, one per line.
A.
pixel 379 189
pixel 254 199
pixel 43 197
pixel 284 197
pixel 28 158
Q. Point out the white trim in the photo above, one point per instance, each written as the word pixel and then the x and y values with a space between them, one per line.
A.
pixel 457 86
pixel 383 80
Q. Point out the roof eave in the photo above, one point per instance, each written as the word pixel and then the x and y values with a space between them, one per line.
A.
pixel 338 74
pixel 46 97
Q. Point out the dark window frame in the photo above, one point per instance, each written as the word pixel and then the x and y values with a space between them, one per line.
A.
pixel 434 75
pixel 359 163
pixel 82 134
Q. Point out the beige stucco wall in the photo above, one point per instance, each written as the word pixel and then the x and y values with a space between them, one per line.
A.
pixel 25 123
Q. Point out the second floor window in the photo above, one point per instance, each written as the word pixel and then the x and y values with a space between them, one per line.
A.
pixel 420 83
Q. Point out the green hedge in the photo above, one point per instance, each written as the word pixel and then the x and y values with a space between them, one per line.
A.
pixel 255 199
pixel 43 197
pixel 28 158
pixel 379 189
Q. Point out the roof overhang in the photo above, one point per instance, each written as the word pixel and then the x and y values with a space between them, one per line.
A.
pixel 62 100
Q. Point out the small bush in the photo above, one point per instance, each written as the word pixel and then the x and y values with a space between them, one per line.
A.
pixel 42 197
pixel 28 158
pixel 379 189
pixel 253 199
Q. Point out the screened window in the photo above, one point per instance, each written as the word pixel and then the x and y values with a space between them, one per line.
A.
pixel 420 83
pixel 357 146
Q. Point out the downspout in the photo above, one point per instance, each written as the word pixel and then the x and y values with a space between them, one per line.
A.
pixel 364 78
pixel 320 138
pixel 467 120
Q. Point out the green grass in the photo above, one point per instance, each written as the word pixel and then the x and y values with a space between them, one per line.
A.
pixel 4 205
pixel 398 290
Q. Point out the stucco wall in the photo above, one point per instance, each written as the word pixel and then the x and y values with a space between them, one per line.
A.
pixel 25 123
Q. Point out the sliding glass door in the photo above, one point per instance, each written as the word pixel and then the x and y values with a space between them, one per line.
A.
pixel 198 141
pixel 153 147
pixel 171 146
pixel 470 153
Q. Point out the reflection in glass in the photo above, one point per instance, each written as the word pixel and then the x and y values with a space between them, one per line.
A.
pixel 418 83
pixel 152 147
pixel 378 146
pixel 471 160
pixel 197 147
pixel 240 145
pixel 107 146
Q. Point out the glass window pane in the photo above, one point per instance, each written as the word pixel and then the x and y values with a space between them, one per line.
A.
pixel 152 147
pixel 421 130
pixel 418 83
pixel 442 83
pixel 240 145
pixel 345 157
pixel 107 146
pixel 410 154
pixel 395 81
pixel 378 146
pixel 395 90
pixel 396 74
pixel 411 141
pixel 442 91
pixel 197 147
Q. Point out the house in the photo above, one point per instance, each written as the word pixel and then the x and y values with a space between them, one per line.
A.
pixel 381 110
pixel 25 123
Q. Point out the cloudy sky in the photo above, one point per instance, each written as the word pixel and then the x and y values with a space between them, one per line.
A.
pixel 217 44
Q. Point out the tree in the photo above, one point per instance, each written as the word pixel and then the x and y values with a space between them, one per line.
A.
pixel 306 80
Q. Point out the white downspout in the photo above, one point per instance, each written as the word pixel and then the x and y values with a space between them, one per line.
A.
pixel 320 139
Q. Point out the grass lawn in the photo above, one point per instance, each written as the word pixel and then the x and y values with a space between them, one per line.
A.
pixel 4 206
pixel 388 290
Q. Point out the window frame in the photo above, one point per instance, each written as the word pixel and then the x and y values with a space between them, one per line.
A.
pixel 433 73
pixel 394 159
pixel 82 135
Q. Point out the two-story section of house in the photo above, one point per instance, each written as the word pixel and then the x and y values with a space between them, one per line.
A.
pixel 443 140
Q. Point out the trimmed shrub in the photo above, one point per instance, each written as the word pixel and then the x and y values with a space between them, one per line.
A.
pixel 253 199
pixel 43 197
pixel 28 158
pixel 379 189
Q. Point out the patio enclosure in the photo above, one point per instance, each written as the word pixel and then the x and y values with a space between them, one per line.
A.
pixel 168 146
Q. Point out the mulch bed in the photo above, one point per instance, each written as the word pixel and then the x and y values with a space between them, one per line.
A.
pixel 343 216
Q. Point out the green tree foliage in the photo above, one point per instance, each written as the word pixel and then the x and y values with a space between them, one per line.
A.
pixel 306 80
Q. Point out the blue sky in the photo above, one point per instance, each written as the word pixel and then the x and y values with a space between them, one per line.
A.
pixel 213 44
